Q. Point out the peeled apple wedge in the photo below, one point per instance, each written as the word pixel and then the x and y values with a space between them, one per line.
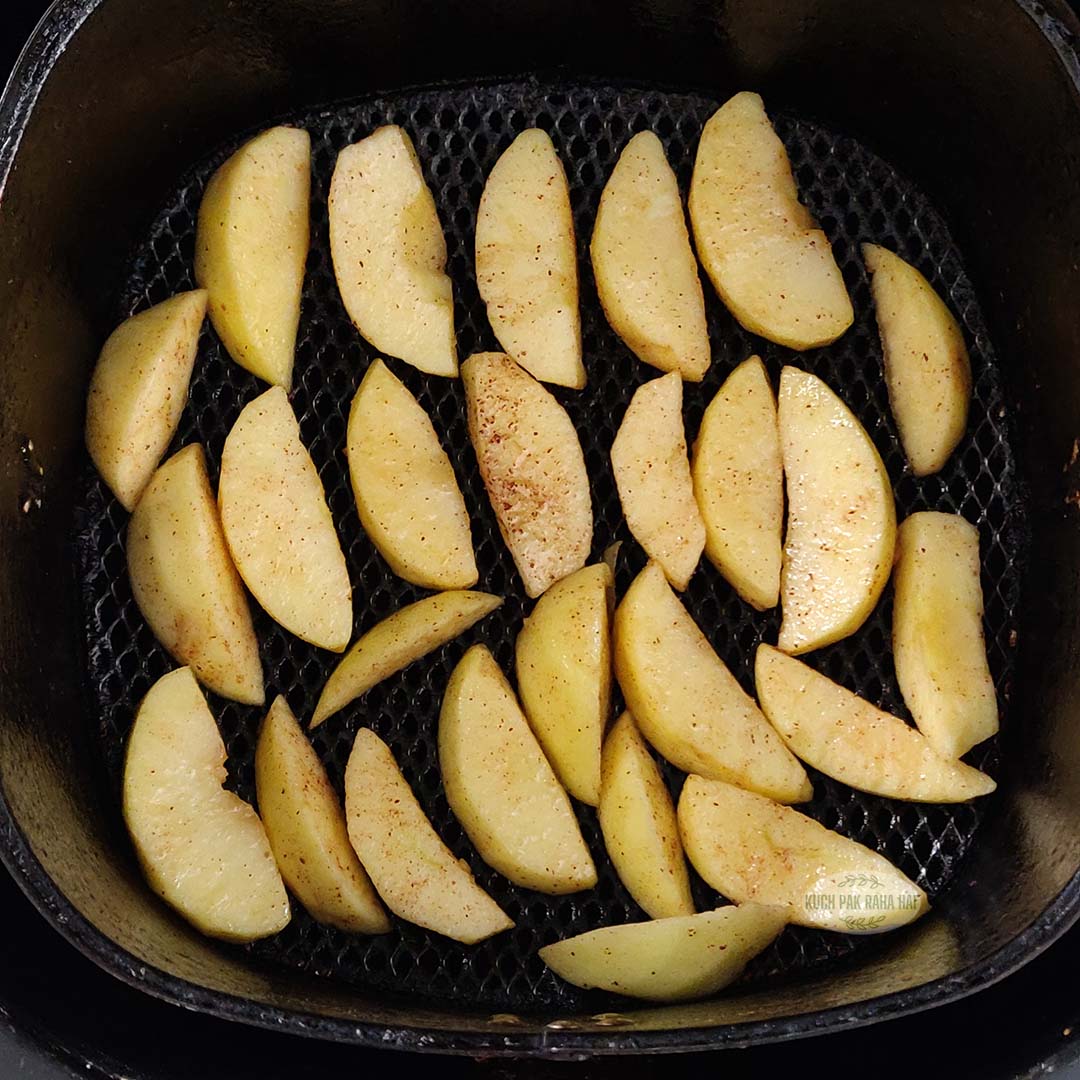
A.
pixel 938 642
pixel 278 526
pixel 751 849
pixel 652 474
pixel 184 581
pixel 501 787
pixel 406 492
pixel 768 260
pixel 251 249
pixel 389 252
pixel 202 848
pixel 847 738
pixel 414 872
pixel 688 704
pixel 526 260
pixel 673 959
pixel 637 818
pixel 138 392
pixel 563 661
pixel 927 368
pixel 646 274
pixel 393 644
pixel 532 466
pixel 841 530
pixel 739 484
pixel 306 828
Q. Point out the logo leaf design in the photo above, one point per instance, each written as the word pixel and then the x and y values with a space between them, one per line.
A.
pixel 863 922
pixel 861 881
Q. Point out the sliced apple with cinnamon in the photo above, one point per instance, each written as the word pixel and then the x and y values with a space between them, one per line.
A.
pixel 766 256
pixel 687 702
pixel 851 740
pixel 203 848
pixel 841 529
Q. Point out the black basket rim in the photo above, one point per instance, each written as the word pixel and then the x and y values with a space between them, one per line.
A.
pixel 543 1041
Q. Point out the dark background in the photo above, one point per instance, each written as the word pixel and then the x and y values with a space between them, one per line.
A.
pixel 60 1016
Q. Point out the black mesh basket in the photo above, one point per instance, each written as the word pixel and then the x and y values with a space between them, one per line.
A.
pixel 459 133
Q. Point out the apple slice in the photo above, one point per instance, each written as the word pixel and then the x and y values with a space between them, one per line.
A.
pixel 526 260
pixel 646 274
pixel 676 959
pixel 278 526
pixel 202 848
pixel 938 642
pixel 652 474
pixel 847 738
pixel 414 872
pixel 185 583
pixel 138 392
pixel 393 644
pixel 532 466
pixel 389 252
pixel 767 258
pixel 739 484
pixel 927 368
pixel 501 787
pixel 688 704
pixel 406 492
pixel 563 660
pixel 637 818
pixel 251 249
pixel 841 530
pixel 306 828
pixel 750 849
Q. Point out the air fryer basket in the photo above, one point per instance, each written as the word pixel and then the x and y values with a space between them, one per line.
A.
pixel 977 109
pixel 460 132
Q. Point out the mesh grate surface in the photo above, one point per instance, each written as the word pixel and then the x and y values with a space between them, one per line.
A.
pixel 459 133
